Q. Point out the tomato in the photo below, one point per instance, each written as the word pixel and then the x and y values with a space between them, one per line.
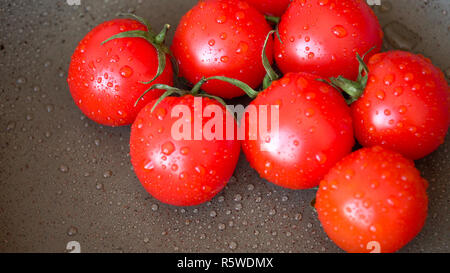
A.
pixel 270 7
pixel 372 198
pixel 104 80
pixel 315 131
pixel 222 38
pixel 405 106
pixel 181 171
pixel 323 36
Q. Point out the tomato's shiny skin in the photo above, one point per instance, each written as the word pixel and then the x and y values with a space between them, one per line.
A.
pixel 373 195
pixel 180 172
pixel 323 37
pixel 104 80
pixel 270 7
pixel 222 38
pixel 315 132
pixel 405 106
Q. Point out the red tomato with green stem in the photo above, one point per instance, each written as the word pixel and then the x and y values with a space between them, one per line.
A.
pixel 222 38
pixel 270 7
pixel 402 103
pixel 105 78
pixel 314 130
pixel 323 36
pixel 372 198
pixel 183 171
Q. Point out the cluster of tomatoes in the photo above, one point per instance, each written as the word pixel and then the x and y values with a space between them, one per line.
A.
pixel 396 104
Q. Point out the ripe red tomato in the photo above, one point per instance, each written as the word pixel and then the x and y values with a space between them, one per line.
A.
pixel 180 172
pixel 323 36
pixel 270 7
pixel 222 38
pixel 104 80
pixel 372 196
pixel 405 106
pixel 315 132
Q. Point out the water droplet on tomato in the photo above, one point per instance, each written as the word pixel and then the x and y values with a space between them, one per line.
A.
pixel 167 148
pixel 321 158
pixel 242 48
pixel 126 71
pixel 184 151
pixel 402 109
pixel 221 19
pixel 240 15
pixel 380 94
pixel 200 170
pixel 389 79
pixel 161 113
pixel 339 31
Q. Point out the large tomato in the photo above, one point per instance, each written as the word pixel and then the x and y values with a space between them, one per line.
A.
pixel 270 7
pixel 405 106
pixel 372 200
pixel 105 80
pixel 182 171
pixel 222 38
pixel 315 131
pixel 323 37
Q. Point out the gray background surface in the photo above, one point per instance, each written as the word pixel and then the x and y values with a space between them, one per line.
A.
pixel 64 178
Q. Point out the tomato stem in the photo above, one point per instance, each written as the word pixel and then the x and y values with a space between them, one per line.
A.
pixel 273 19
pixel 247 89
pixel 354 89
pixel 161 37
pixel 271 74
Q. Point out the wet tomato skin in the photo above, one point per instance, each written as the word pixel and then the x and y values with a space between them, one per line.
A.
pixel 323 37
pixel 405 106
pixel 315 132
pixel 176 171
pixel 104 80
pixel 270 7
pixel 222 38
pixel 372 195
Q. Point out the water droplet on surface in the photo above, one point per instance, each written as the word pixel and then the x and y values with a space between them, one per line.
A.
pixel 72 231
pixel 11 126
pixel 21 80
pixel 63 168
pixel 233 245
pixel 401 37
pixel 107 174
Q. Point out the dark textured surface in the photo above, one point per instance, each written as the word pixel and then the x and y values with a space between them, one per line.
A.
pixel 64 178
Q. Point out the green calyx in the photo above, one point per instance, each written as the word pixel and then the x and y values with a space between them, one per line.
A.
pixel 156 39
pixel 354 89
